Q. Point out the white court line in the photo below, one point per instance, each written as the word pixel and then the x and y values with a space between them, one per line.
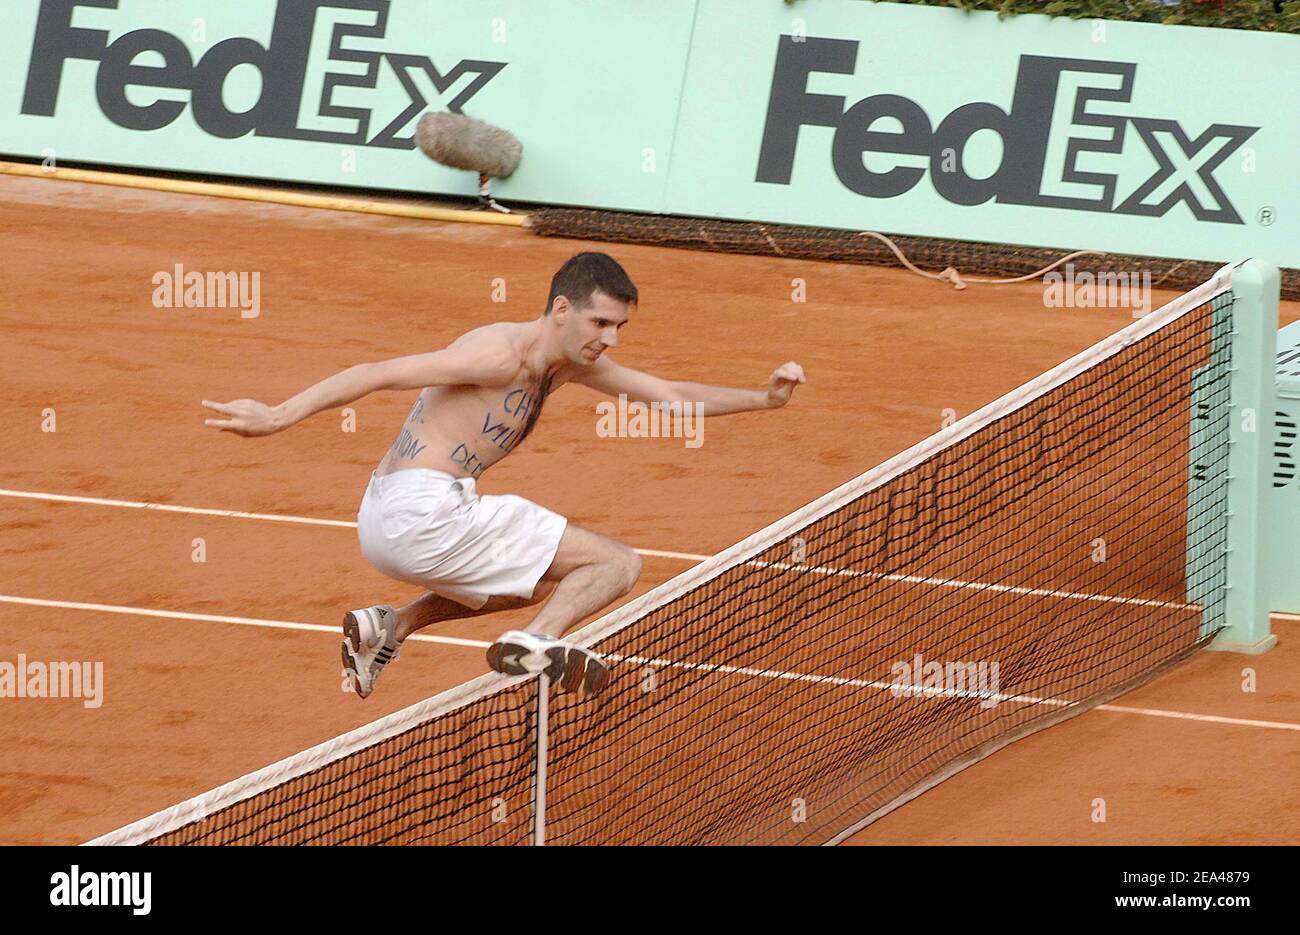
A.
pixel 685 556
pixel 169 508
pixel 217 618
pixel 270 517
pixel 736 670
pixel 958 693
pixel 974 585
pixel 655 553
pixel 1210 718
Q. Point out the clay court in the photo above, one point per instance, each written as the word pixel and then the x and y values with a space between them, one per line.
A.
pixel 213 669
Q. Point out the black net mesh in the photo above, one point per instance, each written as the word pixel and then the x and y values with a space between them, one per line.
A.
pixel 1041 563
pixel 465 777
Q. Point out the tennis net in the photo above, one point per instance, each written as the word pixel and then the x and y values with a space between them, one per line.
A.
pixel 1019 567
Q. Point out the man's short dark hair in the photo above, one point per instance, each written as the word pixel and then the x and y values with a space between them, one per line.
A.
pixel 585 274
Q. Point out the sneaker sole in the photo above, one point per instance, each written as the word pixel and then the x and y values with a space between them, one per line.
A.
pixel 350 664
pixel 504 658
pixel 351 647
pixel 352 630
pixel 584 673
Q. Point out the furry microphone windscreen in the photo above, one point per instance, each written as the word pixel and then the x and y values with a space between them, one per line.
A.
pixel 465 143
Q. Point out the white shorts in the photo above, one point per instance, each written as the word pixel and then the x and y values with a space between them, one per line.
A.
pixel 433 530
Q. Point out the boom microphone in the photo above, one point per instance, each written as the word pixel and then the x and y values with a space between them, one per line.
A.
pixel 462 142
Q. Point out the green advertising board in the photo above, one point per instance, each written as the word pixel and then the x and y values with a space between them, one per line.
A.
pixel 1125 137
pixel 329 91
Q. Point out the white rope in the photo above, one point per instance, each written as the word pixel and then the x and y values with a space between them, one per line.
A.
pixel 958 281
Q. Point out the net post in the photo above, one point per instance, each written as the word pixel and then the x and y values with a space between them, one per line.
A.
pixel 543 741
pixel 1256 291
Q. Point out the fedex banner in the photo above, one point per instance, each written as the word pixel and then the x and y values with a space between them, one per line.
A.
pixel 1126 137
pixel 1133 138
pixel 330 91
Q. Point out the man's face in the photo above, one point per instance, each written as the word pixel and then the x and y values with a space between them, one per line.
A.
pixel 592 329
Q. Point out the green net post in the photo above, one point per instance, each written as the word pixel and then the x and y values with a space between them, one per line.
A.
pixel 1256 288
pixel 1282 518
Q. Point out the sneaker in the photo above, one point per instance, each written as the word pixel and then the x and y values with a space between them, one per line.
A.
pixel 573 668
pixel 519 653
pixel 369 644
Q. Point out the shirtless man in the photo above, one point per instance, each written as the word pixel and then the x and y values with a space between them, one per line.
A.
pixel 422 521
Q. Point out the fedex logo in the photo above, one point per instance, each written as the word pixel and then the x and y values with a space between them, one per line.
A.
pixel 1061 118
pixel 296 76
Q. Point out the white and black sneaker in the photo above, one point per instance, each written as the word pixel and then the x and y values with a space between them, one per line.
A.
pixel 573 668
pixel 369 644
pixel 519 653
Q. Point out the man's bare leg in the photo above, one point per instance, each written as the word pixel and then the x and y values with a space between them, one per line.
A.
pixel 589 571
pixel 433 608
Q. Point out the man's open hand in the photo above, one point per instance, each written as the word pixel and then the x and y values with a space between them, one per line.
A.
pixel 246 417
pixel 782 382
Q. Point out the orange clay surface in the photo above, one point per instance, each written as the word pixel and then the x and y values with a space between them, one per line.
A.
pixel 189 704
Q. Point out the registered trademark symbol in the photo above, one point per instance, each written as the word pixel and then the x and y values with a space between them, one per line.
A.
pixel 1266 216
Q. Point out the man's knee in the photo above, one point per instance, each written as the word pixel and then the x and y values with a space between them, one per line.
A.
pixel 629 565
pixel 542 591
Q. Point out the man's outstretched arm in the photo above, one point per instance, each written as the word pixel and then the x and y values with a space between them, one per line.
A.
pixel 474 363
pixel 614 379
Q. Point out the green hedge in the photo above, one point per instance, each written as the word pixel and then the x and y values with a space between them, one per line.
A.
pixel 1262 15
